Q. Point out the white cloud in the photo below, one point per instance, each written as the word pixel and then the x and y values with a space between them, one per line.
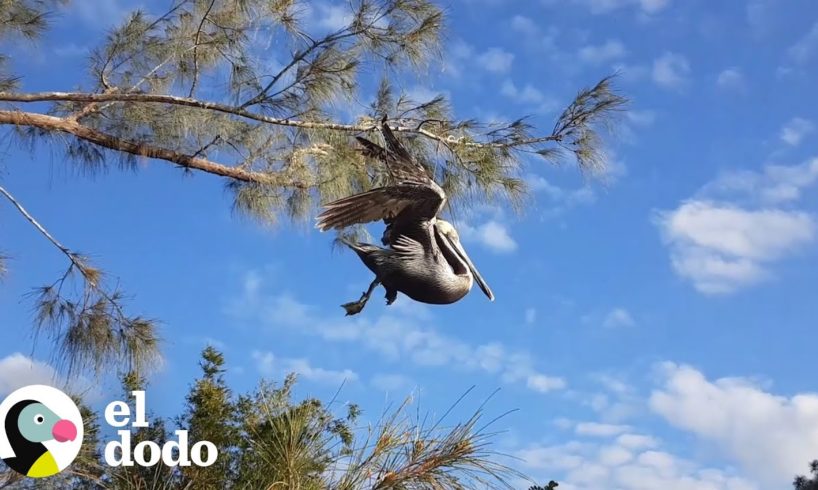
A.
pixel 392 383
pixel 543 384
pixel 403 338
pixel 270 365
pixel 524 25
pixel 599 430
pixel 774 184
pixel 526 95
pixel 731 79
pixel 492 234
pixel 729 235
pixel 637 441
pixel 605 6
pixel 70 50
pixel 641 118
pixel 495 60
pixel 806 47
pixel 671 70
pixel 495 236
pixel 18 370
pixel 530 315
pixel 618 317
pixel 91 11
pixel 721 247
pixel 460 52
pixel 771 436
pixel 605 465
pixel 759 13
pixel 562 200
pixel 794 131
pixel 611 50
pixel 632 73
pixel 332 17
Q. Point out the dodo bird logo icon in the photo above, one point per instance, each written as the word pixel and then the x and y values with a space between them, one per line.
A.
pixel 41 431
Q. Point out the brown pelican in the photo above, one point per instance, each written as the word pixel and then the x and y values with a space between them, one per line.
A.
pixel 424 258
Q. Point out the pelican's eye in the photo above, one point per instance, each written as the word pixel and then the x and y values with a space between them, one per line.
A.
pixel 39 419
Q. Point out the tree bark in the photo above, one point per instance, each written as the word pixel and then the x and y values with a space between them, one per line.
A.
pixel 73 127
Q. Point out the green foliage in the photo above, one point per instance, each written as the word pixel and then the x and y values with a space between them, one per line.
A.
pixel 24 18
pixel 268 440
pixel 807 483
pixel 552 485
pixel 211 415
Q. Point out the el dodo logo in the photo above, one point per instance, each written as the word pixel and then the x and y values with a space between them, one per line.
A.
pixel 41 431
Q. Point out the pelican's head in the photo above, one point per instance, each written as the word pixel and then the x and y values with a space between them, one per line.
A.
pixel 447 231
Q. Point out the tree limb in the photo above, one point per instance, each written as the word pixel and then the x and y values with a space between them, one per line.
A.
pixel 237 111
pixel 70 126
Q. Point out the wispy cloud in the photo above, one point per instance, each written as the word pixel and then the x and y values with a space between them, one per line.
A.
pixel 671 70
pixel 524 25
pixel 806 48
pixel 530 315
pixel 561 199
pixel 618 317
pixel 392 383
pixel 731 79
pixel 269 365
pixel 606 6
pixel 599 430
pixel 90 12
pixel 525 95
pixel 395 336
pixel 495 60
pixel 794 131
pixel 611 50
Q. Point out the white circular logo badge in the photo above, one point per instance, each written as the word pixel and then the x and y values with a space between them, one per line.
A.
pixel 40 431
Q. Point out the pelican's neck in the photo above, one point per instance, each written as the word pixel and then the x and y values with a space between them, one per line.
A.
pixel 458 265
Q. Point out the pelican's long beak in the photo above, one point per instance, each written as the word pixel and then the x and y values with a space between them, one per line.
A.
pixel 474 272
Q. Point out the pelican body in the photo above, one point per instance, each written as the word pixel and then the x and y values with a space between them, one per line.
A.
pixel 422 257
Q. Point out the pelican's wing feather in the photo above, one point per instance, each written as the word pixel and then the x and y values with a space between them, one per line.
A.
pixel 382 203
pixel 407 247
pixel 400 164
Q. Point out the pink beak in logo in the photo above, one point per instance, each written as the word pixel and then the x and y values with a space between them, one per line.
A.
pixel 64 430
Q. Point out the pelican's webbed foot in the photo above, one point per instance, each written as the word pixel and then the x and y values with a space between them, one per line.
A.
pixel 356 307
pixel 391 296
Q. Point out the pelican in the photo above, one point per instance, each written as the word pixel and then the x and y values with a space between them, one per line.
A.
pixel 423 258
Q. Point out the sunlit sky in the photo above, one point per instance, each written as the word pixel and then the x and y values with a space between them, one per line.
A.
pixel 656 330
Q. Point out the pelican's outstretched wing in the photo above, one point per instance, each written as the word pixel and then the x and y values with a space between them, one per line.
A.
pixel 424 202
pixel 400 164
pixel 412 192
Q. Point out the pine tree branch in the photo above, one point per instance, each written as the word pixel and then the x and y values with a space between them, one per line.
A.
pixel 196 42
pixel 70 126
pixel 40 227
pixel 237 111
pixel 91 275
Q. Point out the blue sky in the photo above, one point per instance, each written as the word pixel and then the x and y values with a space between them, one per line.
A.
pixel 656 331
